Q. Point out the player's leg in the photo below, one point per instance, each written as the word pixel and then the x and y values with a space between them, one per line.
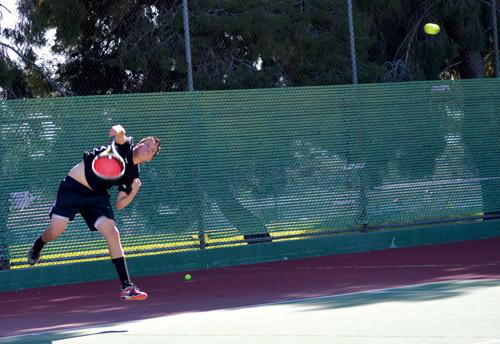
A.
pixel 98 214
pixel 63 211
pixel 57 226
pixel 109 231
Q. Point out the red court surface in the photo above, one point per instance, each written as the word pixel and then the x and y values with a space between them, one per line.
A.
pixel 97 303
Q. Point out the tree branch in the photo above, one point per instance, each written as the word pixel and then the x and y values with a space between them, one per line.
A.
pixel 51 82
pixel 5 8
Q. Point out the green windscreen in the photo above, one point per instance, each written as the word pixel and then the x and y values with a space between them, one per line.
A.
pixel 290 162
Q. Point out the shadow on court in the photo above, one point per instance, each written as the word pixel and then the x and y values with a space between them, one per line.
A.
pixel 72 307
pixel 422 293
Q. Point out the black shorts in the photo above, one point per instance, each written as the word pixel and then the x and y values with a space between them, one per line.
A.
pixel 73 198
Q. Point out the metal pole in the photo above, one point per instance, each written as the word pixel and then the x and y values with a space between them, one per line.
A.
pixel 196 124
pixel 495 36
pixel 353 47
pixel 187 38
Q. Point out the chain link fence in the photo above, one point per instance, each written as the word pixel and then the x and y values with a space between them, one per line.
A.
pixel 161 46
pixel 284 162
pixel 247 166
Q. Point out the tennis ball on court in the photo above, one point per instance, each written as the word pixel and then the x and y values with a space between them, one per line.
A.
pixel 187 277
pixel 431 29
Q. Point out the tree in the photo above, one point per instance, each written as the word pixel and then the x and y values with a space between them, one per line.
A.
pixel 12 78
pixel 249 44
pixel 399 43
pixel 138 46
pixel 111 47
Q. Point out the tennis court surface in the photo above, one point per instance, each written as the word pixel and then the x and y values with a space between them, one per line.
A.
pixel 447 293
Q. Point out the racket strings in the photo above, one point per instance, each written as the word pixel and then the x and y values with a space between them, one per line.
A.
pixel 108 167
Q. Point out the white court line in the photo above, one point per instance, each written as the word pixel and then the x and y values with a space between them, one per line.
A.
pixel 373 291
pixel 366 267
pixel 489 341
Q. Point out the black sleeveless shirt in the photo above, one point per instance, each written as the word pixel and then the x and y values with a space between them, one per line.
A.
pixel 125 182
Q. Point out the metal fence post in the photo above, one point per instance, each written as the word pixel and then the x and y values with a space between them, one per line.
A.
pixel 351 39
pixel 495 36
pixel 187 37
pixel 4 234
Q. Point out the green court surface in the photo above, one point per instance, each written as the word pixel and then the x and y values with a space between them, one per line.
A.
pixel 451 312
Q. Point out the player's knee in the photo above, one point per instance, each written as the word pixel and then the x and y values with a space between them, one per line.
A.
pixel 108 229
pixel 115 232
pixel 56 228
pixel 112 235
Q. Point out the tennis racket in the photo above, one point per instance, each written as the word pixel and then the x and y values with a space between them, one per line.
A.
pixel 109 165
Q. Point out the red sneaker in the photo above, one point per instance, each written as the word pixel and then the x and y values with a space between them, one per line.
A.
pixel 132 293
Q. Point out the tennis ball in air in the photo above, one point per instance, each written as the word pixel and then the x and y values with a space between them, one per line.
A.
pixel 431 29
pixel 187 277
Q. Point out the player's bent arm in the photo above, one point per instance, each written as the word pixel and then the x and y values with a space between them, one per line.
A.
pixel 119 133
pixel 123 199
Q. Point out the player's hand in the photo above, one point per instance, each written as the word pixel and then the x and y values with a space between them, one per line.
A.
pixel 136 184
pixel 117 130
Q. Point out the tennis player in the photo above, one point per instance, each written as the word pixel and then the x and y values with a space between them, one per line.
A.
pixel 81 191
